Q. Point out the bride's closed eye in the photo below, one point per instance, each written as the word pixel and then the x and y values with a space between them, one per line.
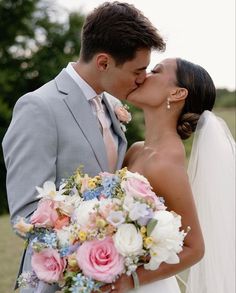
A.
pixel 156 70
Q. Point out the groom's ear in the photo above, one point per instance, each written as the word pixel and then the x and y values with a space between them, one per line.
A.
pixel 102 61
pixel 178 95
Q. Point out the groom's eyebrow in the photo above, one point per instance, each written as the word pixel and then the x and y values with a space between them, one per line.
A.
pixel 142 68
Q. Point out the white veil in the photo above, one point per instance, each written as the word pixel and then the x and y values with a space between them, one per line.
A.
pixel 212 175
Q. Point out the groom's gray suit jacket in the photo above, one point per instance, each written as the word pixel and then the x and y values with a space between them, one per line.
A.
pixel 53 131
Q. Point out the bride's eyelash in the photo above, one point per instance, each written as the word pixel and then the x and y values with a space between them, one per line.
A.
pixel 154 71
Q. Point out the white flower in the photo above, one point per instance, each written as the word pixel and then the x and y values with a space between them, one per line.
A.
pixel 128 240
pixel 128 202
pixel 82 212
pixel 49 191
pixel 63 236
pixel 167 239
pixel 138 210
pixel 116 218
pixel 67 204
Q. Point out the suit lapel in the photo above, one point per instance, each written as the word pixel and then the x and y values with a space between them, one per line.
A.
pixel 82 113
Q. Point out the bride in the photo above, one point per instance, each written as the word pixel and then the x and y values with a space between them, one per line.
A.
pixel 176 97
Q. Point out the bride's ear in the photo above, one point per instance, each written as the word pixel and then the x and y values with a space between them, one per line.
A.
pixel 178 95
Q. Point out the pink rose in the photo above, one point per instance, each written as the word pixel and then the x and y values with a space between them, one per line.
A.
pixel 48 265
pixel 138 186
pixel 100 260
pixel 45 215
pixel 122 114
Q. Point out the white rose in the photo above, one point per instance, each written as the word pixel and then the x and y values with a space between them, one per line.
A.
pixel 167 228
pixel 82 212
pixel 167 239
pixel 128 240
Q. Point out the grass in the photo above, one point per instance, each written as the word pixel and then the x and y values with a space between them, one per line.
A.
pixel 11 246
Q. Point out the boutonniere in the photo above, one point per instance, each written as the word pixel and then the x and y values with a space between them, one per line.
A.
pixel 123 115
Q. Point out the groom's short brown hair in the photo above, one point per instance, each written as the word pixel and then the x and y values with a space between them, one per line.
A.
pixel 118 29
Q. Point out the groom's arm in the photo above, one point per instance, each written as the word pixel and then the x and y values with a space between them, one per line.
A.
pixel 30 149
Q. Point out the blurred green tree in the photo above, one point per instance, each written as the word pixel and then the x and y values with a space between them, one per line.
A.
pixel 225 98
pixel 36 41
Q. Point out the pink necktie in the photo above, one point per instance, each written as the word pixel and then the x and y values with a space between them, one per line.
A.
pixel 107 135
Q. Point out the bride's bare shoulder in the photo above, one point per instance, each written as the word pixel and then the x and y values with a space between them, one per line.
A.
pixel 171 156
pixel 132 151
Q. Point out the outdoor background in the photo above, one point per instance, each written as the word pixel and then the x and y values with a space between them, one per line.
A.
pixel 38 39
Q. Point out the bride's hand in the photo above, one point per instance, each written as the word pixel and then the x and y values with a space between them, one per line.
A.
pixel 121 285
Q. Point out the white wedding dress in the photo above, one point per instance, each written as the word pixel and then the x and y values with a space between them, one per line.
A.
pixel 169 285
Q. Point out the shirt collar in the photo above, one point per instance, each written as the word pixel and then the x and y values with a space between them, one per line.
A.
pixel 88 91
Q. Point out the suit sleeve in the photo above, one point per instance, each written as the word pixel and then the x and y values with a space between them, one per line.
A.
pixel 30 149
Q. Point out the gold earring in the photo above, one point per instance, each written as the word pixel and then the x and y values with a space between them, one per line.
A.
pixel 168 104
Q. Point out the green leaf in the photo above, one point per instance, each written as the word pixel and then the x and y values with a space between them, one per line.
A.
pixel 150 226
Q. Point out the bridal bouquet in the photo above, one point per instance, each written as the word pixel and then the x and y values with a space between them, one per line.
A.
pixel 92 230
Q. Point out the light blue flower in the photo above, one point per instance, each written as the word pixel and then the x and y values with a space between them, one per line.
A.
pixel 94 193
pixel 109 182
pixel 83 284
pixel 50 239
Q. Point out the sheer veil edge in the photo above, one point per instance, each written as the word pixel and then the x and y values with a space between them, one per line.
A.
pixel 211 172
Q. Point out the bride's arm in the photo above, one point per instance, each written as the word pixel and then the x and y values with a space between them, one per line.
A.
pixel 170 180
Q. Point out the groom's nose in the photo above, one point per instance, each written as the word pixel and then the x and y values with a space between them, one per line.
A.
pixel 140 78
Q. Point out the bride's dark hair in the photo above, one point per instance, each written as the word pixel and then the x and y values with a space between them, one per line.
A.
pixel 201 95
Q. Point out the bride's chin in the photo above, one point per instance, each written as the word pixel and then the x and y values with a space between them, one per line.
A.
pixel 134 101
pixel 131 97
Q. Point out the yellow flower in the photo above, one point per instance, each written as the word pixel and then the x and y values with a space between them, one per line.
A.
pixel 82 235
pixel 148 241
pixel 143 230
pixel 101 223
pixel 72 261
pixel 77 178
pixel 91 183
pixel 122 172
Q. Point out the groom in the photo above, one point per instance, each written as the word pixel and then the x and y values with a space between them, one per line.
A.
pixel 55 128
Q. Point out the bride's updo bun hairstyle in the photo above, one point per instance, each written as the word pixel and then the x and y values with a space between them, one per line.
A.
pixel 201 95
